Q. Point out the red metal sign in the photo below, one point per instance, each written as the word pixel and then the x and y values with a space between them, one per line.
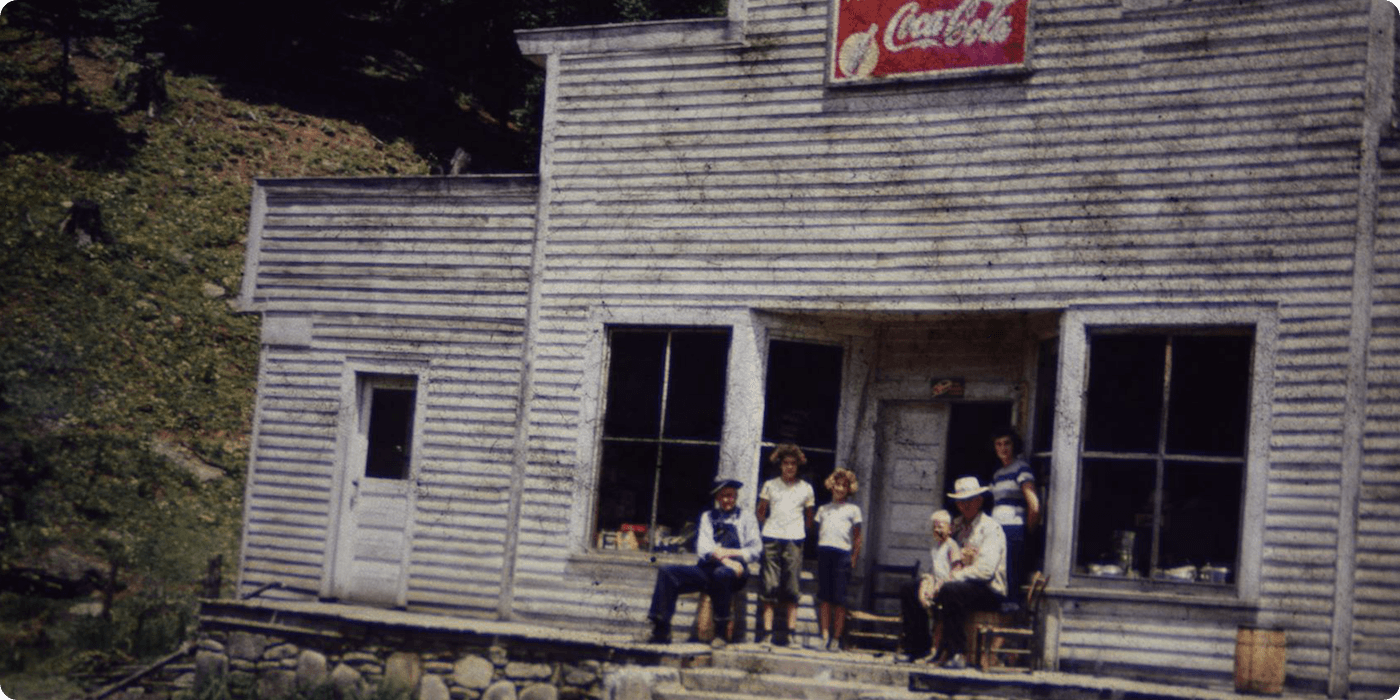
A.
pixel 900 38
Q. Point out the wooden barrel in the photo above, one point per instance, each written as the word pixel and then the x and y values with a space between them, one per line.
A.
pixel 1259 661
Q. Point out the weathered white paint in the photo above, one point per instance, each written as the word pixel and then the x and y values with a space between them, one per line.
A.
pixel 376 247
pixel 1221 159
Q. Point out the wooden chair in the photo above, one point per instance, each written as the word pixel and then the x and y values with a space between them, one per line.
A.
pixel 1009 641
pixel 877 626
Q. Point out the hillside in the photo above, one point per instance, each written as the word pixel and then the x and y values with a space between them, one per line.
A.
pixel 126 376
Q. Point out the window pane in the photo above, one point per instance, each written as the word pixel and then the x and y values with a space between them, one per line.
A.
pixel 1125 392
pixel 687 472
pixel 624 489
pixel 803 394
pixel 634 384
pixel 1209 411
pixel 1046 381
pixel 1200 514
pixel 1116 497
pixel 695 404
pixel 390 433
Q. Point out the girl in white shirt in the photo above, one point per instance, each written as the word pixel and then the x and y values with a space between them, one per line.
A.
pixel 838 547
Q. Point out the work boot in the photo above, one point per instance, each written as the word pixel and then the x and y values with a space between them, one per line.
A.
pixel 660 633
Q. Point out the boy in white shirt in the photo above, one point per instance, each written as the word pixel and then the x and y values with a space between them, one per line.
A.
pixel 785 507
pixel 945 556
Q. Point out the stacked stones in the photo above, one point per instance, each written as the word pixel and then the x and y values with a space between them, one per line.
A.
pixel 278 668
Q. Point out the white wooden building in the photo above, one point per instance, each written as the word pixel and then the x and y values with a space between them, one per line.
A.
pixel 1165 244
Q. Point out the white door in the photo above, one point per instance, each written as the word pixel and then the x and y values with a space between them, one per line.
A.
pixel 908 481
pixel 377 493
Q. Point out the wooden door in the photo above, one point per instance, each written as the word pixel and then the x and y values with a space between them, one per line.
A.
pixel 909 480
pixel 372 541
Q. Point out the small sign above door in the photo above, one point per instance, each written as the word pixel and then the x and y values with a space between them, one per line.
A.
pixel 874 39
pixel 947 388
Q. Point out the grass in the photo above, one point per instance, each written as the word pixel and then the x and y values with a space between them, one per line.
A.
pixel 111 349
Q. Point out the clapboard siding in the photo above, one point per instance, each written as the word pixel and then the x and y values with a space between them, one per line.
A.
pixel 1374 663
pixel 1157 152
pixel 425 272
pixel 1201 152
pixel 435 247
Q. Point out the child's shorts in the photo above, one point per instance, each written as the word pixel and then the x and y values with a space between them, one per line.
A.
pixel 782 570
pixel 833 574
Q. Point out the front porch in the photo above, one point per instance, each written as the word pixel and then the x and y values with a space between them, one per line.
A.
pixel 280 646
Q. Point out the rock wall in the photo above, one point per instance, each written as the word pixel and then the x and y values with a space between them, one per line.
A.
pixel 276 666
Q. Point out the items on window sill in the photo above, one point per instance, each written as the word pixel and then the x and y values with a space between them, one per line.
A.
pixel 1112 571
pixel 1188 573
pixel 635 537
pixel 1176 573
pixel 629 537
pixel 607 539
pixel 1214 574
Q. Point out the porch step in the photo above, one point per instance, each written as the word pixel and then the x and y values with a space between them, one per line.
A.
pixel 813 690
pixel 749 668
pixel 740 673
pixel 746 672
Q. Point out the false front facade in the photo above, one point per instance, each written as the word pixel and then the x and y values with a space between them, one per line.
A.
pixel 1157 237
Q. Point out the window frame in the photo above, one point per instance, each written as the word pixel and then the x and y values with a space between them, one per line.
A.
pixel 742 409
pixel 660 440
pixel 1068 448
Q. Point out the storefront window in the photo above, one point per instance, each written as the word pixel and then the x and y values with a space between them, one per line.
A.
pixel 661 432
pixel 1162 467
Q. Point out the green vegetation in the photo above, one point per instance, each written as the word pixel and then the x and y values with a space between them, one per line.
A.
pixel 130 134
pixel 126 377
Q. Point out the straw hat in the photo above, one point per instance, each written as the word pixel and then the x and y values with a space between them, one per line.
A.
pixel 968 487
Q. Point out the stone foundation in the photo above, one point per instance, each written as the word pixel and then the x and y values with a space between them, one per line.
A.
pixel 279 648
pixel 278 666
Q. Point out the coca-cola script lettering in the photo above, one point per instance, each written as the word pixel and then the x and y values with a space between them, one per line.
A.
pixel 912 27
pixel 899 38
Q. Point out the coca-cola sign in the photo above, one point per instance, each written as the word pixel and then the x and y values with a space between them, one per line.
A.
pixel 900 38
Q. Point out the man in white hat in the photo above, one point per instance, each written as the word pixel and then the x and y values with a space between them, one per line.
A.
pixel 726 542
pixel 980 584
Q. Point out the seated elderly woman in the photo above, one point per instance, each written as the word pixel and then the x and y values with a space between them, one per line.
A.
pixel 978 584
pixel 727 540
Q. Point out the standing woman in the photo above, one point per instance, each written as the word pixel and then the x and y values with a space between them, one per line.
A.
pixel 1017 507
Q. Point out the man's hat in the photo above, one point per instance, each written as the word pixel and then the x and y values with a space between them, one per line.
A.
pixel 967 487
pixel 723 483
